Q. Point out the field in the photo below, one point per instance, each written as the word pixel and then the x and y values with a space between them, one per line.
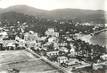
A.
pixel 24 62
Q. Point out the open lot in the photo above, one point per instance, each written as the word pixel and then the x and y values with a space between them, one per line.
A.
pixel 24 62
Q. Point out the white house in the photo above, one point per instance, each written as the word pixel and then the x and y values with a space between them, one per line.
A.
pixel 56 45
pixel 87 24
pixel 3 35
pixel 105 25
pixel 72 52
pixel 42 38
pixel 31 36
pixel 31 44
pixel 7 42
pixel 104 57
pixel 63 44
pixel 52 53
pixel 51 32
pixel 62 59
pixel 64 49
pixel 52 39
pixel 10 45
pixel 73 61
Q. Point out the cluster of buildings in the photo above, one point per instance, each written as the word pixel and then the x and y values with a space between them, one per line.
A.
pixel 49 44
pixel 10 41
pixel 50 47
pixel 63 53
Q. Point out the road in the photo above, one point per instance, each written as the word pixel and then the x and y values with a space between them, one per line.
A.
pixel 62 70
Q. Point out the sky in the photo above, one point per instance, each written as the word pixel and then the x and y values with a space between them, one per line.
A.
pixel 57 4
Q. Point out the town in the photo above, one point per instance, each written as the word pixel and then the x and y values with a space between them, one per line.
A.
pixel 61 48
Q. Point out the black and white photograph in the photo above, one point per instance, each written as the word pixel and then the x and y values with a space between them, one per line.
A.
pixel 53 36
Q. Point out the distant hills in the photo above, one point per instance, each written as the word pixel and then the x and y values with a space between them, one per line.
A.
pixel 77 15
pixel 24 10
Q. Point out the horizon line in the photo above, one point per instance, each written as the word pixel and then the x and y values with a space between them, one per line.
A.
pixel 54 9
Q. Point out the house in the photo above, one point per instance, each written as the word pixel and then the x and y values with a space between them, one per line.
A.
pixel 87 24
pixel 72 53
pixel 63 49
pixel 6 42
pixel 30 36
pixel 62 59
pixel 45 48
pixel 11 46
pixel 42 38
pixel 53 53
pixel 3 35
pixel 51 32
pixel 31 44
pixel 97 66
pixel 55 45
pixel 72 47
pixel 105 25
pixel 104 57
pixel 11 35
pixel 8 45
pixel 69 39
pixel 26 36
pixel 21 43
pixel 63 44
pixel 13 70
pixel 73 62
pixel 31 32
pixel 52 39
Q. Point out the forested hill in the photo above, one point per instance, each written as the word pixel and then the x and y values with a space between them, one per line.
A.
pixel 77 15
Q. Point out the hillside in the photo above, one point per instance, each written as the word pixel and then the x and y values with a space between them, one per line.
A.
pixel 78 15
pixel 24 10
pixel 96 16
pixel 13 20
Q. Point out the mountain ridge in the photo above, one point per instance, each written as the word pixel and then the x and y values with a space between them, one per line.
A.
pixel 91 15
